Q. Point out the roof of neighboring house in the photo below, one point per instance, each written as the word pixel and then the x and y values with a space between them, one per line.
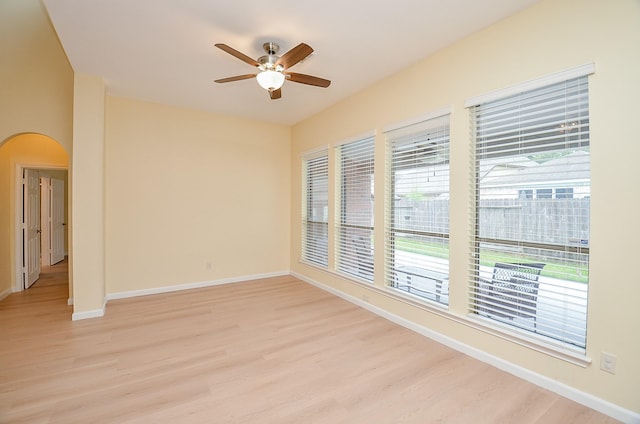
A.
pixel 518 172
pixel 569 170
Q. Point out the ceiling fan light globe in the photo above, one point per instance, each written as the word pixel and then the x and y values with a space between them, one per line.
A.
pixel 270 80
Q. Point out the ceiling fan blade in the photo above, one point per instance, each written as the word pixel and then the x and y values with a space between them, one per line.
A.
pixel 233 52
pixel 275 94
pixel 295 55
pixel 307 79
pixel 236 78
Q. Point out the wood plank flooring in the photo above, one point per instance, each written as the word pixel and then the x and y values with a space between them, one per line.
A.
pixel 267 351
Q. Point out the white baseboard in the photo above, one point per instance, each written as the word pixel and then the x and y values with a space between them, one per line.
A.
pixel 189 286
pixel 96 313
pixel 586 399
pixel 5 293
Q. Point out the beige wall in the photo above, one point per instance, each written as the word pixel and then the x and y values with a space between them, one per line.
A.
pixel 36 86
pixel 26 150
pixel 549 37
pixel 187 188
pixel 36 78
pixel 87 192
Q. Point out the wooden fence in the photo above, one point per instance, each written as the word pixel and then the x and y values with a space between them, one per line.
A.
pixel 562 222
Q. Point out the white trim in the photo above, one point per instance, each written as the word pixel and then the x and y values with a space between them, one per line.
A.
pixel 564 353
pixel 5 293
pixel 586 399
pixel 19 205
pixel 19 246
pixel 417 119
pixel 189 286
pixel 524 340
pixel 95 313
pixel 578 71
pixel 363 136
pixel 315 153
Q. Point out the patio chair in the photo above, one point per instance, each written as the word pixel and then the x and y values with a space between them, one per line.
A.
pixel 512 291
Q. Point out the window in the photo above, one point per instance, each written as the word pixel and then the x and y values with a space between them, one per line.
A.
pixel 547 193
pixel 544 193
pixel 315 208
pixel 531 268
pixel 417 239
pixel 564 193
pixel 525 194
pixel 354 253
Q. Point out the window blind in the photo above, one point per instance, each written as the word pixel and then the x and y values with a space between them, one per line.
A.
pixel 417 207
pixel 354 232
pixel 315 220
pixel 531 223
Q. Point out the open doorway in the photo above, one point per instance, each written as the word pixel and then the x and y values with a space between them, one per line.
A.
pixel 41 220
pixel 48 159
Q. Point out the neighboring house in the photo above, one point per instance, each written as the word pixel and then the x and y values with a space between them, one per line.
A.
pixel 562 178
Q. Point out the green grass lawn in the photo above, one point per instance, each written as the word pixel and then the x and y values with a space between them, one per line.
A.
pixel 551 269
pixel 422 248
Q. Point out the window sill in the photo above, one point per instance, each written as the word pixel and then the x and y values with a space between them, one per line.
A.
pixel 485 325
pixel 504 332
pixel 535 342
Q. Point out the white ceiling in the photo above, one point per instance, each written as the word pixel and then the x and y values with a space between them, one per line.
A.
pixel 163 50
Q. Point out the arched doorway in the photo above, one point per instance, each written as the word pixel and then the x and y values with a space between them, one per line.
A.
pixel 39 158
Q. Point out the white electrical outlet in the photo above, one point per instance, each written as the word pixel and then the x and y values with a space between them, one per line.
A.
pixel 608 362
pixel 365 297
pixel 209 265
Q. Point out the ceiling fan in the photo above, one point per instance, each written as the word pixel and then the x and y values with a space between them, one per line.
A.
pixel 273 69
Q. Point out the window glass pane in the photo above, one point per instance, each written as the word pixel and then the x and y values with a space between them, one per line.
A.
pixel 532 247
pixel 316 210
pixel 354 253
pixel 544 193
pixel 564 193
pixel 417 240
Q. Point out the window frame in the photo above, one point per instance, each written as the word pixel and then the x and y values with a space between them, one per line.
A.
pixel 475 280
pixel 423 278
pixel 353 237
pixel 314 164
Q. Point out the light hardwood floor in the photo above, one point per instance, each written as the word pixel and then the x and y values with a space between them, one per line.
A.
pixel 267 351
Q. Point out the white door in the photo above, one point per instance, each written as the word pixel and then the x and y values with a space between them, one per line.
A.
pixel 45 221
pixel 57 220
pixel 31 191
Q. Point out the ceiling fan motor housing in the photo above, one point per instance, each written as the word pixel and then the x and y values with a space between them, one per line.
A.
pixel 271 48
pixel 268 62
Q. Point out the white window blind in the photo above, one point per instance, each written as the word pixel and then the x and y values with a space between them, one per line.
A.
pixel 354 232
pixel 417 237
pixel 532 197
pixel 315 209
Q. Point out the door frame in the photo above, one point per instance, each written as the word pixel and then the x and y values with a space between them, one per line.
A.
pixel 20 208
